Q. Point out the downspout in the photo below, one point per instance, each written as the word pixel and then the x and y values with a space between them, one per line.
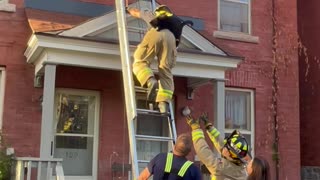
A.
pixel 275 88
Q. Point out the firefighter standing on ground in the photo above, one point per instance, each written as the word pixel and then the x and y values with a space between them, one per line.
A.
pixel 226 161
pixel 160 41
pixel 173 166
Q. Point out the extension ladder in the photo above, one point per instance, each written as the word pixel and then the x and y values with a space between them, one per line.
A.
pixel 132 112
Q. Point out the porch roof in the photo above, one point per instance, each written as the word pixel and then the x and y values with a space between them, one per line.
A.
pixel 84 45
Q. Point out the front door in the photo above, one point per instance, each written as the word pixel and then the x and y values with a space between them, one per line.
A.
pixel 76 132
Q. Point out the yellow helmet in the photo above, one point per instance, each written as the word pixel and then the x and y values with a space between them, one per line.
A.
pixel 162 12
pixel 237 145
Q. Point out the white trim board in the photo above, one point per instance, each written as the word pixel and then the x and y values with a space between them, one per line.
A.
pixel 44 49
pixel 2 89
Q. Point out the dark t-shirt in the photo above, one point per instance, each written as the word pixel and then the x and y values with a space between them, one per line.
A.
pixel 157 165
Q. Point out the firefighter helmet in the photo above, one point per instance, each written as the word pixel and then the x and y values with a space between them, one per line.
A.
pixel 237 145
pixel 163 12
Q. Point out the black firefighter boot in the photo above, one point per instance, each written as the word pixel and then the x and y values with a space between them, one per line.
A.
pixel 163 107
pixel 152 85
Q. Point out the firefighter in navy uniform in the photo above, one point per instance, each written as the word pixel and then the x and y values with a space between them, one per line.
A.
pixel 161 41
pixel 227 160
pixel 173 166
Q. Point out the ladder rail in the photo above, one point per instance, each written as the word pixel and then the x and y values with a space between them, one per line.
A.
pixel 172 125
pixel 129 92
pixel 127 82
pixel 153 138
pixel 153 112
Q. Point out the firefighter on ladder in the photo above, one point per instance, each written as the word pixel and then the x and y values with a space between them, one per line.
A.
pixel 161 41
pixel 228 160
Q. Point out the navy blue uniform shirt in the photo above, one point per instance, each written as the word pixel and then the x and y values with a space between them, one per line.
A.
pixel 157 165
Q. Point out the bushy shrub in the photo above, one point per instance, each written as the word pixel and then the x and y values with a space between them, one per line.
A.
pixel 5 161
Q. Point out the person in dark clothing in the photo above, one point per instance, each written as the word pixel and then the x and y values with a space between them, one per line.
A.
pixel 173 166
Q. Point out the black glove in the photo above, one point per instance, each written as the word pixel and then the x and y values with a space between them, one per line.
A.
pixel 205 119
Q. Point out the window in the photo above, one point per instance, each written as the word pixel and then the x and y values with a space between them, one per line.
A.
pixel 6 6
pixel 2 84
pixel 234 16
pixel 239 113
pixel 76 132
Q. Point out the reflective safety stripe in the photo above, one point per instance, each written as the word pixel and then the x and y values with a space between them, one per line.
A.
pixel 168 163
pixel 162 12
pixel 144 73
pixel 214 132
pixel 165 93
pixel 213 177
pixel 197 135
pixel 184 168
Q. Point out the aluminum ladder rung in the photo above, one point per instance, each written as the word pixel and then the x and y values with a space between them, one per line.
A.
pixel 140 89
pixel 153 138
pixel 143 161
pixel 152 112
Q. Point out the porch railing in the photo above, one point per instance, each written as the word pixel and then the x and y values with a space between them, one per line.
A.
pixel 41 168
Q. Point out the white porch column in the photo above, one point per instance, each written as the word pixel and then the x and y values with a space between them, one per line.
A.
pixel 219 106
pixel 48 111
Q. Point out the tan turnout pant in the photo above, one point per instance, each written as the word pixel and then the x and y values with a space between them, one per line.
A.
pixel 160 44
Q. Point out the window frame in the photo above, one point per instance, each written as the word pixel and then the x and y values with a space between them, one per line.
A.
pixel 249 16
pixel 7 7
pixel 2 89
pixel 252 115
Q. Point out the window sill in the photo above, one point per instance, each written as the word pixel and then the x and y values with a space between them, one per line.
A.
pixel 236 36
pixel 7 7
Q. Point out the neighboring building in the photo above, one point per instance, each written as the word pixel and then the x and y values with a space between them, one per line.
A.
pixel 309 63
pixel 61 89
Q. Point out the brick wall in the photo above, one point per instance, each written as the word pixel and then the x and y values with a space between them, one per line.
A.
pixel 309 26
pixel 22 110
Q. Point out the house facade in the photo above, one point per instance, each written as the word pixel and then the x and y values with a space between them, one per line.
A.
pixel 62 92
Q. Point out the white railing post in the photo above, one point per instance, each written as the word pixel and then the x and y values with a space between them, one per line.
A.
pixel 29 163
pixel 59 171
pixel 19 170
